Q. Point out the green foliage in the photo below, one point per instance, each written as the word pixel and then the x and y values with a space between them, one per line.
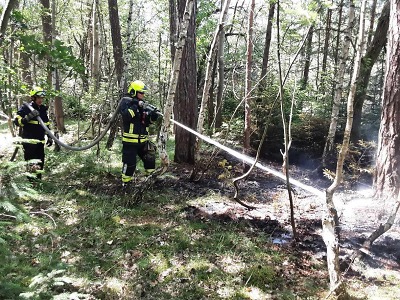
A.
pixel 14 186
pixel 61 56
pixel 206 21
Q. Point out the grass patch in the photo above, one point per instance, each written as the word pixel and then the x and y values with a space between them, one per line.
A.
pixel 82 240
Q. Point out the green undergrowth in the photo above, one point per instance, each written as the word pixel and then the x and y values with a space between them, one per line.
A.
pixel 79 241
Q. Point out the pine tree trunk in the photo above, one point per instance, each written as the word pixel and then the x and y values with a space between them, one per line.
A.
pixel 387 179
pixel 306 70
pixel 185 106
pixel 367 63
pixel 118 61
pixel 175 72
pixel 267 45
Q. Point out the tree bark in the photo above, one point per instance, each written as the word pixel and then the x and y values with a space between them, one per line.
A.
pixel 247 89
pixel 367 63
pixel 58 103
pixel 324 74
pixel 117 43
pixel 387 178
pixel 175 72
pixel 95 59
pixel 5 16
pixel 221 75
pixel 47 37
pixel 185 106
pixel 267 45
pixel 208 77
pixel 118 61
pixel 307 60
pixel 330 139
pixel 330 223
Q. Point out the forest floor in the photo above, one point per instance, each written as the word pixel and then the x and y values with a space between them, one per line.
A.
pixel 90 239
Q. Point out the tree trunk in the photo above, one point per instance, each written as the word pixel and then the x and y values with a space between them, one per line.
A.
pixel 47 37
pixel 247 89
pixel 26 73
pixel 211 106
pixel 221 75
pixel 117 43
pixel 175 72
pixel 5 16
pixel 372 22
pixel 367 62
pixel 95 60
pixel 324 74
pixel 330 139
pixel 387 179
pixel 330 223
pixel 118 61
pixel 185 106
pixel 307 60
pixel 58 104
pixel 286 127
pixel 208 77
pixel 267 45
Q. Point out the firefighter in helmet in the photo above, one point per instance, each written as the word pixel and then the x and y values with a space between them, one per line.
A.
pixel 32 132
pixel 137 117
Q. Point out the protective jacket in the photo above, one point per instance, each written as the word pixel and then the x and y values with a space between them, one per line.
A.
pixel 136 121
pixel 32 129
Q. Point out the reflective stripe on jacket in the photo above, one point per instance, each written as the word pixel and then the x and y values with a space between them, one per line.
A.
pixel 32 130
pixel 135 121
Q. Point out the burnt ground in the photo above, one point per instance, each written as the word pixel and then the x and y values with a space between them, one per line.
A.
pixel 360 214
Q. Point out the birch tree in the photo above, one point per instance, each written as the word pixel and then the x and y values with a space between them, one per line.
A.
pixel 247 89
pixel 5 16
pixel 330 139
pixel 330 222
pixel 208 76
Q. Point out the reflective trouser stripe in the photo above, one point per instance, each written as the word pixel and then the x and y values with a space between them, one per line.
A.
pixel 126 178
pixel 149 171
pixel 33 141
pixel 130 140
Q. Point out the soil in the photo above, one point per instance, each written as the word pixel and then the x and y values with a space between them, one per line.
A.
pixel 359 212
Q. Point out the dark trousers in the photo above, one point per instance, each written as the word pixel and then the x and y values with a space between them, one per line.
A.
pixel 35 151
pixel 129 153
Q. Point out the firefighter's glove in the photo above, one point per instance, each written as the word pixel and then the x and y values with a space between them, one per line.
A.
pixel 32 115
pixel 49 142
pixel 154 115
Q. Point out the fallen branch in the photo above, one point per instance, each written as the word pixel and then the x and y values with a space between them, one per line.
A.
pixel 45 214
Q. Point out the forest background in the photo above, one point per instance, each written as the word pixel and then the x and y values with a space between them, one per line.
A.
pixel 276 76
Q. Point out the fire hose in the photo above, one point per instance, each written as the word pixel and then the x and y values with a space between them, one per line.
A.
pixel 235 153
pixel 93 143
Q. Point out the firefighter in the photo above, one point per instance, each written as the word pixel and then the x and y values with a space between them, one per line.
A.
pixel 137 117
pixel 32 132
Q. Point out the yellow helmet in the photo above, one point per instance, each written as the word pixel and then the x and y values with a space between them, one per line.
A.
pixel 137 86
pixel 37 91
